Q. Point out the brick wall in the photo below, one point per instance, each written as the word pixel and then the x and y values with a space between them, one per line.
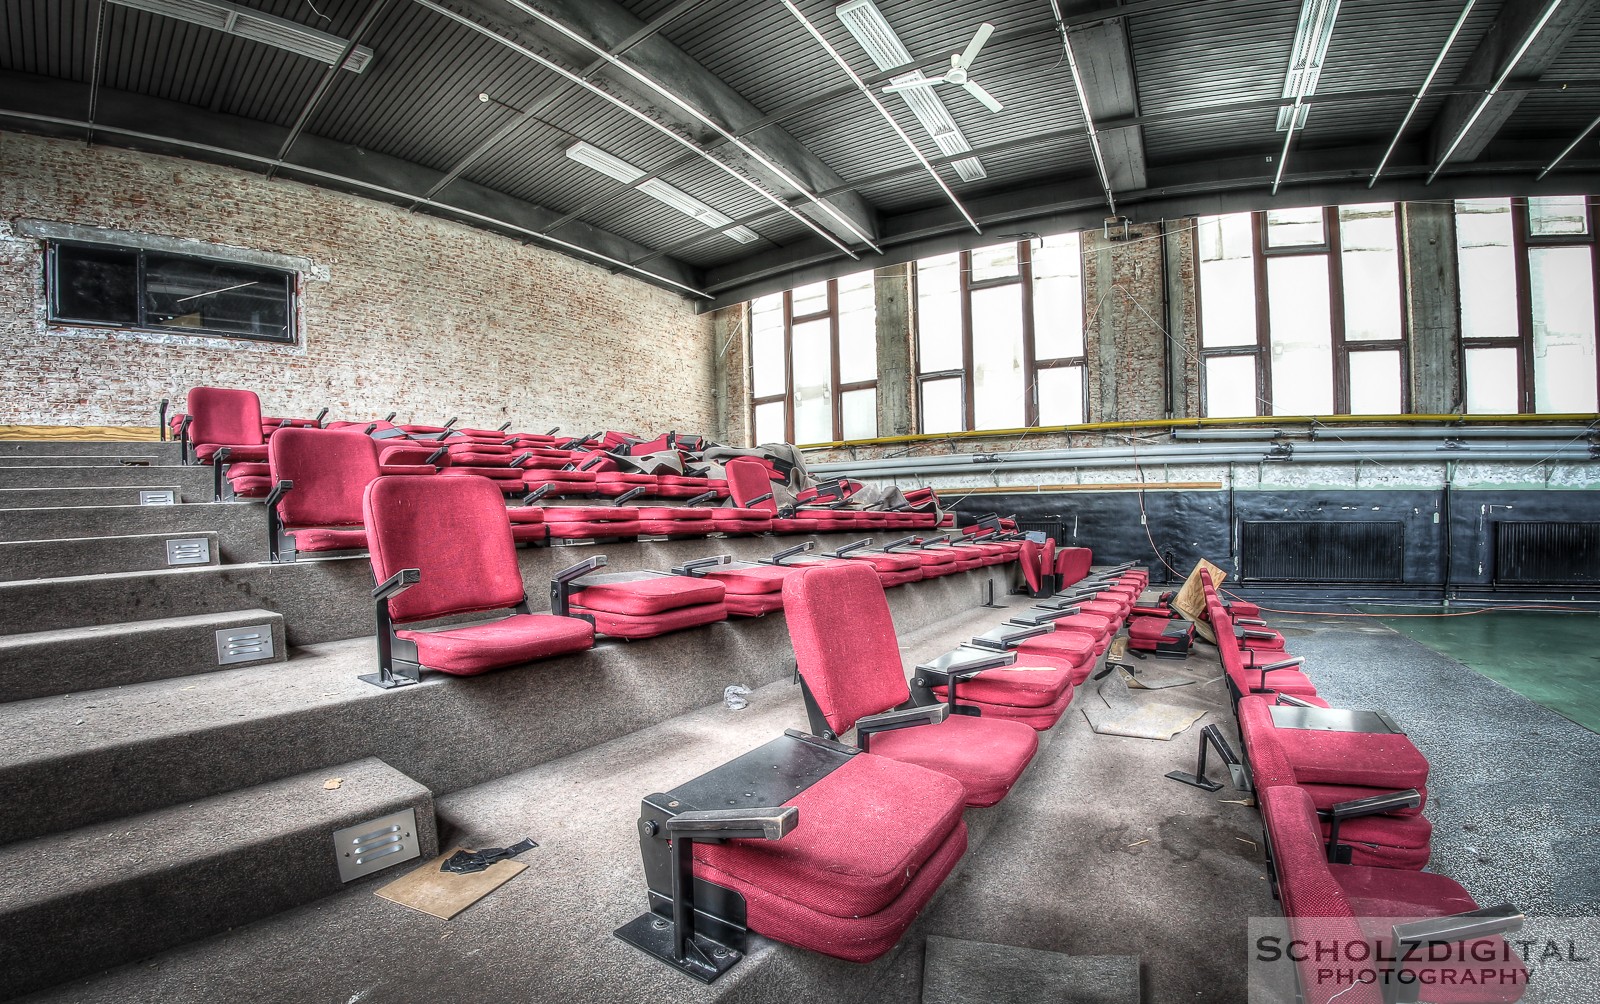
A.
pixel 401 311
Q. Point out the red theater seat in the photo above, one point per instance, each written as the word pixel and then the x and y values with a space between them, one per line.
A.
pixel 441 547
pixel 848 657
pixel 638 604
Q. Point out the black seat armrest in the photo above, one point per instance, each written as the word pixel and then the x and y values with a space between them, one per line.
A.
pixel 1482 923
pixel 695 567
pixel 898 542
pixel 535 495
pixel 701 499
pixel 561 583
pixel 707 825
pixel 789 552
pixel 903 718
pixel 1408 798
pixel 629 495
pixel 1281 664
pixel 437 455
pixel 1293 701
pixel 844 549
pixel 396 584
pixel 747 503
pixel 1252 621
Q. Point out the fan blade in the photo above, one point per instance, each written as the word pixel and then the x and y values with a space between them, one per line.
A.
pixel 984 31
pixel 913 84
pixel 984 96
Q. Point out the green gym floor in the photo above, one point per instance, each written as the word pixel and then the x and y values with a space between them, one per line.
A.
pixel 1552 659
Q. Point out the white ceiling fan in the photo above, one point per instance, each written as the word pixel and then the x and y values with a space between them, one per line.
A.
pixel 957 74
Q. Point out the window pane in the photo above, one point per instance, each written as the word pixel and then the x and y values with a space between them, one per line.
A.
pixel 1488 269
pixel 812 359
pixel 1227 281
pixel 1370 260
pixel 1230 386
pixel 1292 228
pixel 941 405
pixel 215 296
pixel 1302 335
pixel 1557 215
pixel 811 299
pixel 1058 299
pixel 769 422
pixel 997 386
pixel 938 314
pixel 766 346
pixel 1061 395
pixel 860 409
pixel 996 262
pixel 1561 284
pixel 858 330
pixel 96 284
pixel 1375 383
pixel 1491 376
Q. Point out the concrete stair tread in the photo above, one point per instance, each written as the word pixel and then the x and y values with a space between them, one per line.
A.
pixel 106 630
pixel 24 560
pixel 556 919
pixel 68 863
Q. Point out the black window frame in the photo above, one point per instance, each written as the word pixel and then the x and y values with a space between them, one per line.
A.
pixel 52 289
pixel 837 388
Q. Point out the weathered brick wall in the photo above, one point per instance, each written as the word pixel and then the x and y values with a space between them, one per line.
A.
pixel 1125 318
pixel 403 312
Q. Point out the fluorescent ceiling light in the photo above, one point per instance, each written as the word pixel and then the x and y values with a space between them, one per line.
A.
pixel 615 167
pixel 865 22
pixel 605 163
pixel 258 27
pixel 1311 39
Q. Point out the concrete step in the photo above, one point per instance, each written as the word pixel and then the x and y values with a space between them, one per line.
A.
pixel 167 452
pixel 78 660
pixel 584 880
pixel 72 761
pixel 90 495
pixel 195 484
pixel 102 895
pixel 240 528
pixel 49 559
pixel 132 458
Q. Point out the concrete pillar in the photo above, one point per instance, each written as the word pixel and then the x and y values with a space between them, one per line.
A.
pixel 1433 304
pixel 1183 327
pixel 897 386
pixel 1102 296
pixel 730 383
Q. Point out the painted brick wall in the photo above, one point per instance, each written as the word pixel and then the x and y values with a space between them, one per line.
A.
pixel 402 312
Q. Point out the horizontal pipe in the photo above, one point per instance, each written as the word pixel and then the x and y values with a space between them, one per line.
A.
pixel 1479 432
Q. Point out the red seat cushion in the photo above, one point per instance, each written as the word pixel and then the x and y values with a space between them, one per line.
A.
pixel 320 539
pixel 888 579
pixel 889 562
pixel 525 514
pixel 590 514
pixel 986 755
pixel 753 604
pixel 1071 647
pixel 477 648
pixel 1019 686
pixel 1038 719
pixel 252 488
pixel 237 454
pixel 750 581
pixel 678 527
pixel 650 625
pixel 771 900
pixel 1364 759
pixel 586 530
pixel 653 595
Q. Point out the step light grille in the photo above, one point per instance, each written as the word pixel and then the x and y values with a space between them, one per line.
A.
pixel 373 846
pixel 163 496
pixel 189 551
pixel 250 643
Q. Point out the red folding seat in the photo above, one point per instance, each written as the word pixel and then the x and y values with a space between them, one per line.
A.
pixel 1383 760
pixel 893 568
pixel 1072 564
pixel 563 481
pixel 751 488
pixel 849 662
pixel 1070 618
pixel 677 521
pixel 838 858
pixel 228 422
pixel 998 684
pixel 753 588
pixel 1036 639
pixel 1383 919
pixel 586 522
pixel 1398 838
pixel 442 547
pixel 636 604
pixel 1030 558
pixel 1171 637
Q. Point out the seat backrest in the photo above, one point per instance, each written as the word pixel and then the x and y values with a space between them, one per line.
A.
pixel 455 530
pixel 224 417
pixel 1047 557
pixel 1318 910
pixel 844 641
pixel 1072 563
pixel 330 470
pixel 1028 556
pixel 748 479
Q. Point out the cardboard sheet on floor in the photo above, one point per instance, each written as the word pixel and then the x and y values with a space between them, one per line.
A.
pixel 1155 677
pixel 972 972
pixel 445 894
pixel 1117 713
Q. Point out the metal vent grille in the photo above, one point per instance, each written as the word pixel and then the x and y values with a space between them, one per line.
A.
pixel 164 496
pixel 189 551
pixel 373 846
pixel 1544 551
pixel 1321 551
pixel 250 643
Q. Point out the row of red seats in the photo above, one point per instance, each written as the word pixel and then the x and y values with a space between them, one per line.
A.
pixel 1341 796
pixel 836 848
pixel 443 546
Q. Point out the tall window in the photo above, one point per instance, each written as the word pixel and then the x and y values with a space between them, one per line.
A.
pixel 814 362
pixel 1000 337
pixel 1301 312
pixel 1528 279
